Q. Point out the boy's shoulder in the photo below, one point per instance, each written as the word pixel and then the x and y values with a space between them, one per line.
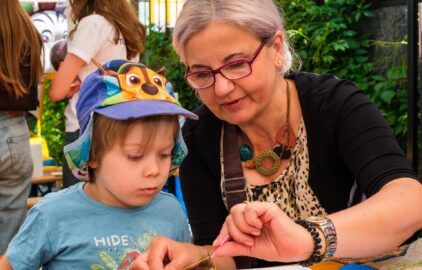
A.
pixel 164 197
pixel 62 199
pixel 165 201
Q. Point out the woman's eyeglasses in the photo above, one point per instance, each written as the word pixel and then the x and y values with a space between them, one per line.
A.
pixel 234 70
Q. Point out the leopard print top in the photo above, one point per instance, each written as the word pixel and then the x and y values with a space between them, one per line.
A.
pixel 290 191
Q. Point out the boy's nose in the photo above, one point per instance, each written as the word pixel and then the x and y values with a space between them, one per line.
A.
pixel 152 168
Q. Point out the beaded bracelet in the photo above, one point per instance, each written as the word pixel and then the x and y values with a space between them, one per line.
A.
pixel 316 256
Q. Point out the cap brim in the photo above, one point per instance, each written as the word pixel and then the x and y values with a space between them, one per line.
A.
pixel 143 108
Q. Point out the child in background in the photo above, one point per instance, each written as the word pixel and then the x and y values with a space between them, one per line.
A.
pixel 104 30
pixel 130 139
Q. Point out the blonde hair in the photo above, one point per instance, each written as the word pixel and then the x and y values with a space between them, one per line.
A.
pixel 20 47
pixel 121 14
pixel 107 132
pixel 261 18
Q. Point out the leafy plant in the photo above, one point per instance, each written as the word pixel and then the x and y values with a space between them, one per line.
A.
pixel 390 96
pixel 159 53
pixel 327 39
pixel 53 126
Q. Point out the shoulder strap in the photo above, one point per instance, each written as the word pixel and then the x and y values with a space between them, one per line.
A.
pixel 234 182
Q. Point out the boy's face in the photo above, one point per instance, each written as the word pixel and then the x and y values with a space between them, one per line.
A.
pixel 130 175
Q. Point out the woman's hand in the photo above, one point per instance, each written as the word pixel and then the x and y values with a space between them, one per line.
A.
pixel 264 231
pixel 164 253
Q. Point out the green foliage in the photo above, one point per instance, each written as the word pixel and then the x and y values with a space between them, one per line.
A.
pixel 52 126
pixel 159 53
pixel 390 95
pixel 328 39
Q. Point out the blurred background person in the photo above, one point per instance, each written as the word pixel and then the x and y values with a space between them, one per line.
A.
pixel 20 73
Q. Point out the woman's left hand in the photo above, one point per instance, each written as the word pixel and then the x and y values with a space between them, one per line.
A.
pixel 264 231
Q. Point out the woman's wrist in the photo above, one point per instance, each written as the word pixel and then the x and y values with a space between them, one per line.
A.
pixel 315 255
pixel 329 235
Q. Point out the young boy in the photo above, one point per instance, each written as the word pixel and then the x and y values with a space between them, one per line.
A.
pixel 130 139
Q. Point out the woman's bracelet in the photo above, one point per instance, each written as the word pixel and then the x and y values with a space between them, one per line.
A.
pixel 326 226
pixel 316 255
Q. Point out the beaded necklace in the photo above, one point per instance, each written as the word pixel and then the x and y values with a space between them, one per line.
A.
pixel 282 151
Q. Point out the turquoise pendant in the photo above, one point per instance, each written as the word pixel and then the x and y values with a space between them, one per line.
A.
pixel 245 152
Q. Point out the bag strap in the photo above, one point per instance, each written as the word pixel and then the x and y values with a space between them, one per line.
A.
pixel 234 182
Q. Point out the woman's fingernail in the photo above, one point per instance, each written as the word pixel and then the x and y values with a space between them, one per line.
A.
pixel 248 243
pixel 256 233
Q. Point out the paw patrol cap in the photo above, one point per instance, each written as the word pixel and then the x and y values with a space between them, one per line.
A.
pixel 122 90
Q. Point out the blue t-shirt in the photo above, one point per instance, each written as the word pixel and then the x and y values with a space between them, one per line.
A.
pixel 70 230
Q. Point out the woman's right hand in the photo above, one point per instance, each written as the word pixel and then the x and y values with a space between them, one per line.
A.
pixel 262 230
pixel 167 254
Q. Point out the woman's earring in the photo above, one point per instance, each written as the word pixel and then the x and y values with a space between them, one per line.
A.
pixel 197 95
pixel 278 62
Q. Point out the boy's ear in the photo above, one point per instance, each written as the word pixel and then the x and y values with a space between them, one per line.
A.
pixel 93 164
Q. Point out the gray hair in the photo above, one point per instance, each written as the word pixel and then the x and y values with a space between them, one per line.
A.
pixel 261 18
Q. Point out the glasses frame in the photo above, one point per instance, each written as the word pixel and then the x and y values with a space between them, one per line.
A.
pixel 249 61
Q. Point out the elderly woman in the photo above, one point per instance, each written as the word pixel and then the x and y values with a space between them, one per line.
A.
pixel 301 148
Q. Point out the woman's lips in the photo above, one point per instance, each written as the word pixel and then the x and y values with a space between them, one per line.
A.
pixel 233 105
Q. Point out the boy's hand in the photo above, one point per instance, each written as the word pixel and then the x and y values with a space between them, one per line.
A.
pixel 164 253
pixel 4 263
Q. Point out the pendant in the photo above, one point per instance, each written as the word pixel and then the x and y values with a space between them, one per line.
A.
pixel 250 164
pixel 263 155
pixel 282 151
pixel 286 136
pixel 287 153
pixel 245 152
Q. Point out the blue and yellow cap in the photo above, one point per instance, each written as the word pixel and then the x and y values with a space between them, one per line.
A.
pixel 122 90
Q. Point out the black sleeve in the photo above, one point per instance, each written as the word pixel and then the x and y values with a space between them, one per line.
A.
pixel 200 179
pixel 348 141
pixel 367 144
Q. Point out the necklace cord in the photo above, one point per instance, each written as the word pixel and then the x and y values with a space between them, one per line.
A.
pixel 277 153
pixel 288 109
